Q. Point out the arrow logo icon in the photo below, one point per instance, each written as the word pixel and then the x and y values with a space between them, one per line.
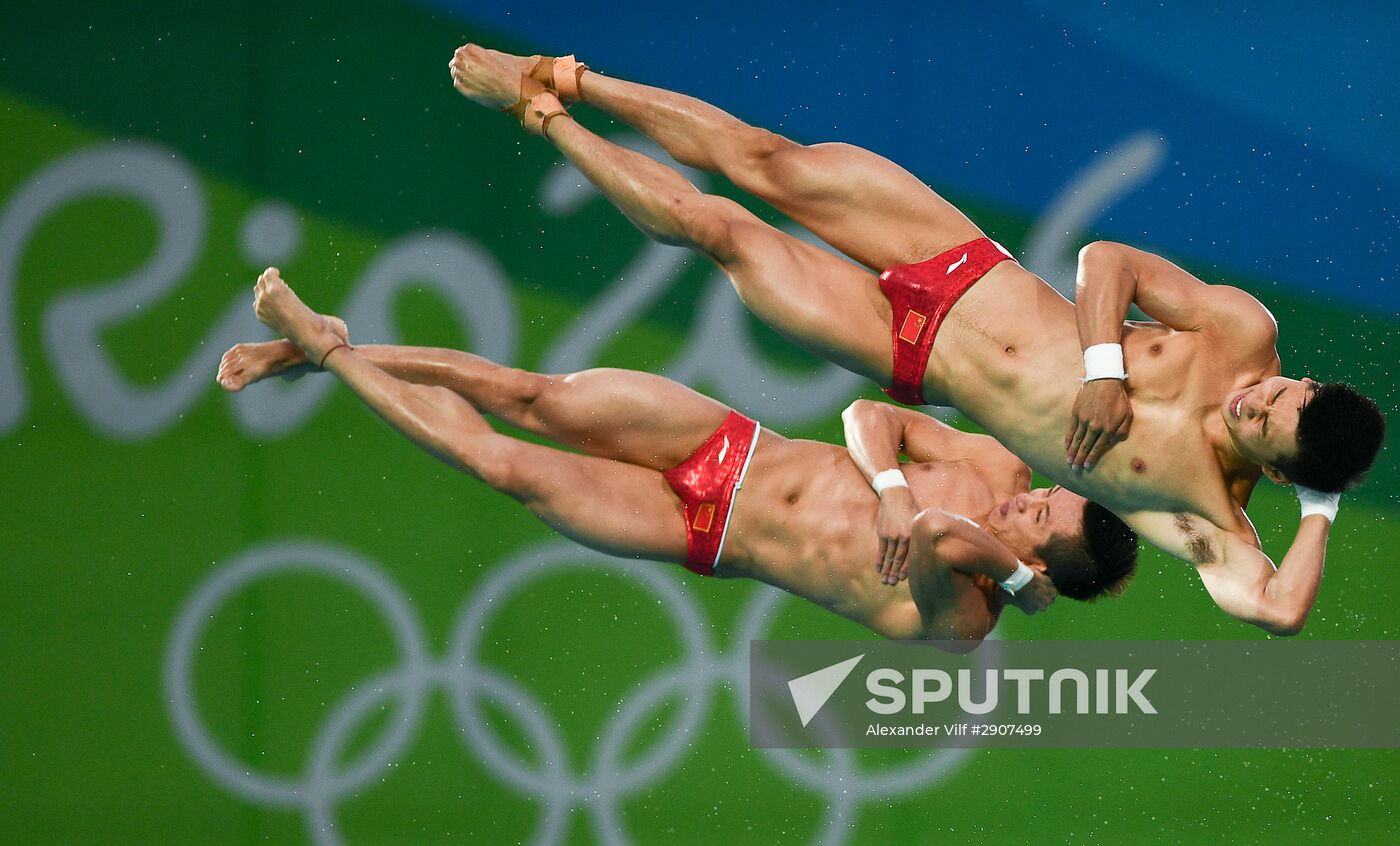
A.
pixel 810 692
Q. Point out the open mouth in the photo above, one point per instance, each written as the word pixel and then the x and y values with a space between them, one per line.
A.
pixel 1235 409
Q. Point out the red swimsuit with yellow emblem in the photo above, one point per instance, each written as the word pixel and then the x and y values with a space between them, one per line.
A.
pixel 921 296
pixel 707 482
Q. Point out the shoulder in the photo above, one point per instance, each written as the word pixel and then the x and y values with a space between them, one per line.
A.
pixel 1002 472
pixel 1237 315
pixel 998 466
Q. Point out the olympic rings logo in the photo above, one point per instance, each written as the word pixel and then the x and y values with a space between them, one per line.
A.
pixel 597 786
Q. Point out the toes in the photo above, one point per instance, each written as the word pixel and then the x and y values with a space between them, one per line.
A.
pixel 228 378
pixel 466 54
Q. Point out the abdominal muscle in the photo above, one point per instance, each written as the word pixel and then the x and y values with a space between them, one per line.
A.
pixel 1008 357
pixel 805 522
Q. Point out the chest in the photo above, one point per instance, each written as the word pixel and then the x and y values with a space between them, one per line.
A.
pixel 953 486
pixel 1167 464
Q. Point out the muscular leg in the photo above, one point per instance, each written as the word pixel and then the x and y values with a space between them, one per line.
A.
pixel 638 418
pixel 502 392
pixel 862 204
pixel 818 301
pixel 612 506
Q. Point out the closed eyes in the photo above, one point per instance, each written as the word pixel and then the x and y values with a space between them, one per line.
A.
pixel 1264 427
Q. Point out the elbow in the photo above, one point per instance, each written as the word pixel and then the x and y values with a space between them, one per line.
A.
pixel 965 645
pixel 1284 623
pixel 1096 250
pixel 930 528
pixel 1098 261
pixel 858 409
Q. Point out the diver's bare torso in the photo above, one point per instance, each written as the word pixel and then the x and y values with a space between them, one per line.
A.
pixel 805 522
pixel 1008 356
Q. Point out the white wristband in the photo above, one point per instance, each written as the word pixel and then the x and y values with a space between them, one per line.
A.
pixel 886 479
pixel 1318 502
pixel 1104 361
pixel 1018 579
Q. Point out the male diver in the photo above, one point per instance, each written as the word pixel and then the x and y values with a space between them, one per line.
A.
pixel 1194 401
pixel 663 465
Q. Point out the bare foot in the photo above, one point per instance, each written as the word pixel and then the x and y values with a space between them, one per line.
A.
pixel 482 77
pixel 282 311
pixel 518 64
pixel 245 364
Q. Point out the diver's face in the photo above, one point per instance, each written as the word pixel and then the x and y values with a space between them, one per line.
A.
pixel 1263 419
pixel 1027 521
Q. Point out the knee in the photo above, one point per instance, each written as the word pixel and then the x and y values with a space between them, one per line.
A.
pixel 764 146
pixel 761 154
pixel 496 460
pixel 709 222
pixel 558 400
pixel 532 390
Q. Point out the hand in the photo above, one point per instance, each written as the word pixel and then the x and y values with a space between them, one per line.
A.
pixel 1318 502
pixel 1037 595
pixel 894 525
pixel 1101 417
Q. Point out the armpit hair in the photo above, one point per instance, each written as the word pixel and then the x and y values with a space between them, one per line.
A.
pixel 1197 545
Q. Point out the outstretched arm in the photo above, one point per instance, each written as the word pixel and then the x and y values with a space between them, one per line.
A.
pixel 877 434
pixel 1241 579
pixel 1113 277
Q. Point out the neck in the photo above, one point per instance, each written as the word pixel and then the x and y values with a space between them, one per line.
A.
pixel 1240 471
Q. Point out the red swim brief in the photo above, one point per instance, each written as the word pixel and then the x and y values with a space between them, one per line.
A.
pixel 922 295
pixel 707 483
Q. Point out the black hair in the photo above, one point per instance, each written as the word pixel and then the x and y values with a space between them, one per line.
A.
pixel 1339 433
pixel 1100 561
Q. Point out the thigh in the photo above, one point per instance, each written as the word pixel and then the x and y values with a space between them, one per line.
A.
pixel 611 506
pixel 862 204
pixel 625 415
pixel 821 302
